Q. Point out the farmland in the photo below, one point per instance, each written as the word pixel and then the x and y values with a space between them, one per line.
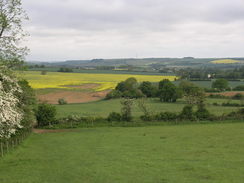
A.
pixel 79 87
pixel 185 153
pixel 225 61
pixel 63 80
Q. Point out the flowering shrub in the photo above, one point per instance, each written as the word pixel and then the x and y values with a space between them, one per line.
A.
pixel 10 112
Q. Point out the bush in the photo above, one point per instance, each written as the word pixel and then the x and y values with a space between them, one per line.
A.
pixel 236 114
pixel 114 116
pixel 202 113
pixel 73 120
pixel 187 113
pixel 147 117
pixel 43 72
pixel 215 104
pixel 62 101
pixel 166 116
pixel 45 114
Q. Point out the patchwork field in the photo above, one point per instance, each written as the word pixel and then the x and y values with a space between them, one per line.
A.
pixel 225 61
pixel 66 80
pixel 79 87
pixel 209 153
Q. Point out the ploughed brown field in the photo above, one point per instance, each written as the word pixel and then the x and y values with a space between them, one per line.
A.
pixel 86 93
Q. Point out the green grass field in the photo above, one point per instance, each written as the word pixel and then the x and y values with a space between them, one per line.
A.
pixel 208 84
pixel 206 153
pixel 104 107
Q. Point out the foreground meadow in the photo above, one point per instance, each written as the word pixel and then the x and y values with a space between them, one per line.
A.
pixel 209 153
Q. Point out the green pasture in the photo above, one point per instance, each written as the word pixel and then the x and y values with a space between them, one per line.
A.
pixel 206 153
pixel 104 107
pixel 208 84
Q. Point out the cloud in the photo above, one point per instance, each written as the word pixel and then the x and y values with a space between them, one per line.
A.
pixel 119 28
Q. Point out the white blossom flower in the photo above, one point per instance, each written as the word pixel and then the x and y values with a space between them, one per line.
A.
pixel 10 114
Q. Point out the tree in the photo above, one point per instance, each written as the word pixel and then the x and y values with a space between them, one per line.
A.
pixel 11 113
pixel 126 113
pixel 65 69
pixel 121 86
pixel 192 93
pixel 45 114
pixel 168 92
pixel 147 115
pixel 220 84
pixel 114 94
pixel 162 83
pixel 127 88
pixel 12 16
pixel 114 116
pixel 148 89
pixel 27 103
pixel 186 86
pixel 16 96
pixel 128 84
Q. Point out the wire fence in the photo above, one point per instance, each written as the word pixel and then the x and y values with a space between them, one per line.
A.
pixel 7 145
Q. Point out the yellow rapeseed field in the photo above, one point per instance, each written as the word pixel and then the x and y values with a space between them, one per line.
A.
pixel 105 81
pixel 225 61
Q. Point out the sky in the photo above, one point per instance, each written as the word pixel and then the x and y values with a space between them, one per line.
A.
pixel 88 29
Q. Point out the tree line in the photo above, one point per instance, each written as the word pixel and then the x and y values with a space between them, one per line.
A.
pixel 165 90
pixel 211 73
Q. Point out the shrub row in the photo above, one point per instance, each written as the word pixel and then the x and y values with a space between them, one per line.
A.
pixel 237 96
pixel 187 113
pixel 228 104
pixel 47 116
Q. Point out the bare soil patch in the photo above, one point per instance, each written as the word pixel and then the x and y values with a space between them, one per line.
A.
pixel 73 96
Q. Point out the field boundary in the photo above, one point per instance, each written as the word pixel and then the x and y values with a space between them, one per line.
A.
pixel 8 145
pixel 72 127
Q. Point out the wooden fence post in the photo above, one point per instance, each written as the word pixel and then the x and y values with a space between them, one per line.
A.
pixel 1 149
pixel 12 143
pixel 7 146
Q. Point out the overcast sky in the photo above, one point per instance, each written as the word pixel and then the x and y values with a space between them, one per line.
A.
pixel 87 29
